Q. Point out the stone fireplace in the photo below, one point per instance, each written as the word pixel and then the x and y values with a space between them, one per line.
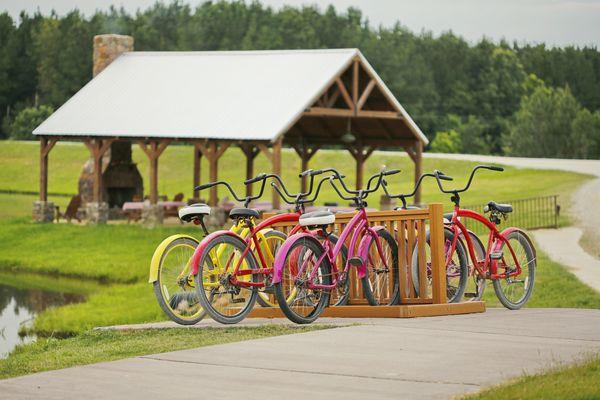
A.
pixel 121 180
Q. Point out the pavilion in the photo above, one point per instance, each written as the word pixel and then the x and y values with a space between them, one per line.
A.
pixel 257 100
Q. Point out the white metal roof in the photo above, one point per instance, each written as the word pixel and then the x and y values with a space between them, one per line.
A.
pixel 248 95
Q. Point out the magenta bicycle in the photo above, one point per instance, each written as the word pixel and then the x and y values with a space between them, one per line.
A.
pixel 305 269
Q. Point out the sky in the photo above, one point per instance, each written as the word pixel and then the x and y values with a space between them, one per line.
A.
pixel 554 22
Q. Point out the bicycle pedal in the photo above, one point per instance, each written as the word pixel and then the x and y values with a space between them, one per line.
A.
pixel 496 255
pixel 238 300
pixel 470 295
pixel 356 262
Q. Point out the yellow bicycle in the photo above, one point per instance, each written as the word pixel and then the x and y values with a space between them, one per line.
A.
pixel 170 275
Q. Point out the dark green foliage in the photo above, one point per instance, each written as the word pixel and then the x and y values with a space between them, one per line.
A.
pixel 48 58
pixel 26 121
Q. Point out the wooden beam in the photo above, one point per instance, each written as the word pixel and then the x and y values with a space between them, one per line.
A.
pixel 265 150
pixel 213 150
pixel 355 83
pixel 154 151
pixel 251 152
pixel 360 154
pixel 343 113
pixel 305 153
pixel 197 169
pixel 98 147
pixel 333 98
pixel 344 93
pixel 365 94
pixel 418 168
pixel 276 163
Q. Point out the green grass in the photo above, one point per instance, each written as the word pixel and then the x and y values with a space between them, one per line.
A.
pixel 19 171
pixel 96 346
pixel 577 382
pixel 114 305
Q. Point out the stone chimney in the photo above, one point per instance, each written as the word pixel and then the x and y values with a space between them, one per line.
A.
pixel 121 178
pixel 107 48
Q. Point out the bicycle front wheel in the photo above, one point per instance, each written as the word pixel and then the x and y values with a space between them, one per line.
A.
pixel 223 301
pixel 174 287
pixel 273 241
pixel 513 292
pixel 300 302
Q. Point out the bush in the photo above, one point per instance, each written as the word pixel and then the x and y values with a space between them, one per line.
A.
pixel 446 142
pixel 27 120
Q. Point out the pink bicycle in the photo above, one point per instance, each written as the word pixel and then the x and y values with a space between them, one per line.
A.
pixel 305 267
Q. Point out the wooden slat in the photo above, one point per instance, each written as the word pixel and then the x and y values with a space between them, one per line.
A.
pixel 438 262
pixel 410 234
pixel 421 243
pixel 365 94
pixel 402 268
pixel 345 94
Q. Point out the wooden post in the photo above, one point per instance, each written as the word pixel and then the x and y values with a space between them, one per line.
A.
pixel 360 154
pixel 213 151
pixel 153 152
pixel 45 146
pixel 418 168
pixel 276 163
pixel 438 264
pixel 251 152
pixel 197 169
pixel 98 147
pixel 305 153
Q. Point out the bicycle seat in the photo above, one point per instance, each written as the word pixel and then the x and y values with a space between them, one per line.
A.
pixel 317 218
pixel 198 210
pixel 503 208
pixel 407 208
pixel 243 213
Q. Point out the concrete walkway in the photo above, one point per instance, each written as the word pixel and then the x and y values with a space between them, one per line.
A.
pixel 425 358
pixel 562 246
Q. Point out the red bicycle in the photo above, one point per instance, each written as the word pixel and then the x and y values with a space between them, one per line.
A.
pixel 509 259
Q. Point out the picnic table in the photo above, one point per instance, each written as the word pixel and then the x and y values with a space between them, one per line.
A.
pixel 133 209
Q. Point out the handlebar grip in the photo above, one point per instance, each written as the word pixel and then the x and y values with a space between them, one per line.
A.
pixel 495 168
pixel 390 172
pixel 305 173
pixel 205 186
pixel 445 177
pixel 257 178
pixel 316 172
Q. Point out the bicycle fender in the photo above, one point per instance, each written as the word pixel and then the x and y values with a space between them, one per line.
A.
pixel 155 263
pixel 363 250
pixel 512 229
pixel 202 247
pixel 282 253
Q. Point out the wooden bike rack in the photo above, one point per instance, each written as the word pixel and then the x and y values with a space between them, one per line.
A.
pixel 409 230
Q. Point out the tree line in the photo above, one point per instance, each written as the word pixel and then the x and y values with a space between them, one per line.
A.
pixel 484 97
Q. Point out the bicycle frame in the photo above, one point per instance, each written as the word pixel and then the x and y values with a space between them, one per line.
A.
pixel 252 239
pixel 358 227
pixel 488 267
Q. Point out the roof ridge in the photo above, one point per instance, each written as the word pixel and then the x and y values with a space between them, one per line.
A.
pixel 238 52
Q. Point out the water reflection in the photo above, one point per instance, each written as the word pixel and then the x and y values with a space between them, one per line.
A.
pixel 18 307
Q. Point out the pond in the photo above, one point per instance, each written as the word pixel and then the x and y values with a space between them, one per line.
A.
pixel 18 308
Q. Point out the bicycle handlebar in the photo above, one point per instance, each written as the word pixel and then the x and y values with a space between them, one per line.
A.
pixel 212 184
pixel 438 177
pixel 402 196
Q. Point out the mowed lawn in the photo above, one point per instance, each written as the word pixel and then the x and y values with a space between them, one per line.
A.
pixel 19 171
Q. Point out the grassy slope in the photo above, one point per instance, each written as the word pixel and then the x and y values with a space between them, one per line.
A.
pixel 97 346
pixel 578 382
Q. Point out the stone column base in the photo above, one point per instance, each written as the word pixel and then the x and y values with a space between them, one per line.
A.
pixel 96 213
pixel 216 219
pixel 44 211
pixel 152 215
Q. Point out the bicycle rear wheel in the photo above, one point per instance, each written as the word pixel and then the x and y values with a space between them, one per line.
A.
pixel 174 287
pixel 297 300
pixel 224 302
pixel 513 292
pixel 381 284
